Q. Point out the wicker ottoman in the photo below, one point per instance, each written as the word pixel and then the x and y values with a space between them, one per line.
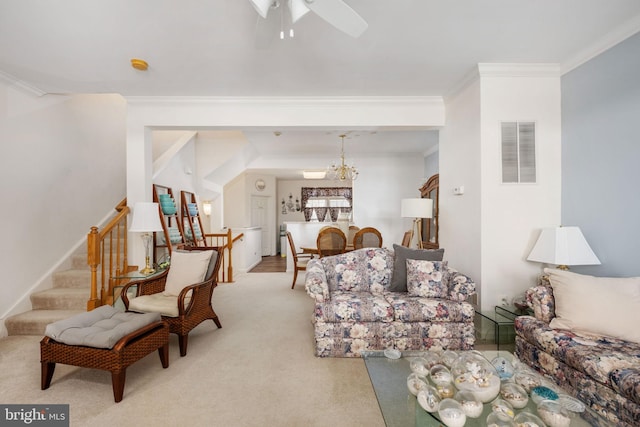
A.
pixel 103 346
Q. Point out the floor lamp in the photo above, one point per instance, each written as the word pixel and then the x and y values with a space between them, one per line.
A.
pixel 146 220
pixel 417 209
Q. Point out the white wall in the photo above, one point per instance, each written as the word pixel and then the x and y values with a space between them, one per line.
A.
pixel 459 153
pixel 382 184
pixel 62 171
pixel 488 232
pixel 512 214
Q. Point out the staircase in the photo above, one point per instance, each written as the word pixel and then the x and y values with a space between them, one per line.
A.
pixel 69 295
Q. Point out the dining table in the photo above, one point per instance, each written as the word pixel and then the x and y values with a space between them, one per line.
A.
pixel 314 250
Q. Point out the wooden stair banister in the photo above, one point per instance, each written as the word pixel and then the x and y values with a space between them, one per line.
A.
pixel 107 264
pixel 225 242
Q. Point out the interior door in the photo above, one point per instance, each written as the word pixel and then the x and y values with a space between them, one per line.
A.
pixel 260 218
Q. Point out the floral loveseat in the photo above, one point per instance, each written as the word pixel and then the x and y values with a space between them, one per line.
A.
pixel 596 357
pixel 355 309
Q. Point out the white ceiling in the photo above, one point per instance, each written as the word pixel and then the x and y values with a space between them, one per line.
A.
pixel 208 48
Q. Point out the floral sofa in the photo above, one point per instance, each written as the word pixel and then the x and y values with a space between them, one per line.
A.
pixel 355 310
pixel 588 360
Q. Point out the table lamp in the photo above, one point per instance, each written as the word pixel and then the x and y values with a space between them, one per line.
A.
pixel 417 209
pixel 146 220
pixel 562 246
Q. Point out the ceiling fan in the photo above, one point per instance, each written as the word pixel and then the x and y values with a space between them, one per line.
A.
pixel 335 12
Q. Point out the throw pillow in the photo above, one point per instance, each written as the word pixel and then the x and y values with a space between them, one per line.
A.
pixel 601 305
pixel 402 254
pixel 187 268
pixel 425 278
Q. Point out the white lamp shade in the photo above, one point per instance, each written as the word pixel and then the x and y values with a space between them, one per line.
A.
pixel 146 218
pixel 563 246
pixel 416 208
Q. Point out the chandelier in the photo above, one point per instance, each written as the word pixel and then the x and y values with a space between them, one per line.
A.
pixel 343 171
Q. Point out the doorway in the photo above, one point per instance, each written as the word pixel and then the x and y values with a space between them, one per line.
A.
pixel 260 218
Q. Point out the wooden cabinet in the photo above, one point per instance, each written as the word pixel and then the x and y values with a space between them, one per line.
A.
pixel 431 190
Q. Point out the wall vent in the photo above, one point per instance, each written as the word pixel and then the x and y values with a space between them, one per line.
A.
pixel 518 152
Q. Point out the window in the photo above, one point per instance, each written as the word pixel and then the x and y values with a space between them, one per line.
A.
pixel 320 200
pixel 518 152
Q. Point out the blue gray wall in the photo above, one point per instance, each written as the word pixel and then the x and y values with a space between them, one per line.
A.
pixel 601 157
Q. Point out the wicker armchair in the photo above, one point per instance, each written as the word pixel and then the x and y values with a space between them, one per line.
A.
pixel 193 302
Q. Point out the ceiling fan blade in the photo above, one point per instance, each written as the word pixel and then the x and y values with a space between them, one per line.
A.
pixel 262 6
pixel 340 15
pixel 297 9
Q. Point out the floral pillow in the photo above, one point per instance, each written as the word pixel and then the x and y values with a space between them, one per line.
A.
pixel 426 278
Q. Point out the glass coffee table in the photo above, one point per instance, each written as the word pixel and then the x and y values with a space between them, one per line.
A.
pixel 400 408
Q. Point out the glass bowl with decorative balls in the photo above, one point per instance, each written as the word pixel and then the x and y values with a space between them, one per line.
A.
pixel 471 405
pixel 554 414
pixel 440 374
pixel 473 372
pixel 429 399
pixel 451 413
pixel 496 420
pixel 527 419
pixel 515 394
pixel 503 367
pixel 415 383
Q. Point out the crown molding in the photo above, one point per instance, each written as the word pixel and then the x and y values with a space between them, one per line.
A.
pixel 518 70
pixel 289 101
pixel 21 84
pixel 620 34
pixel 485 69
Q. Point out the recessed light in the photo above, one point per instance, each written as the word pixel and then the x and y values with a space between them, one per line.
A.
pixel 314 174
pixel 139 64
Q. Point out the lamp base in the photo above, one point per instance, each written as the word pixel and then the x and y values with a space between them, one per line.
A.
pixel 147 268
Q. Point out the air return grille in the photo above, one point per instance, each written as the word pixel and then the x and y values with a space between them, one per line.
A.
pixel 518 152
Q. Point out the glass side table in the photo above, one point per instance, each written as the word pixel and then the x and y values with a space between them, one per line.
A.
pixel 512 311
pixel 493 327
pixel 123 279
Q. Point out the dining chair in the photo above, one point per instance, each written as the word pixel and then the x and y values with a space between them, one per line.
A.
pixel 331 241
pixel 367 237
pixel 406 240
pixel 299 260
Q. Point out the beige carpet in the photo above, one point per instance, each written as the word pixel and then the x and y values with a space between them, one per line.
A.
pixel 258 370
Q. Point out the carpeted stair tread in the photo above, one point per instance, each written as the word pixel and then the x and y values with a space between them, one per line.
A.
pixel 34 322
pixel 79 262
pixel 72 279
pixel 60 299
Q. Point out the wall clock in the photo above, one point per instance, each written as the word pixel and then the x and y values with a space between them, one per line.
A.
pixel 260 185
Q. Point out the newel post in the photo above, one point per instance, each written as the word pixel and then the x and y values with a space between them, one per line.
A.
pixel 93 259
pixel 229 248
